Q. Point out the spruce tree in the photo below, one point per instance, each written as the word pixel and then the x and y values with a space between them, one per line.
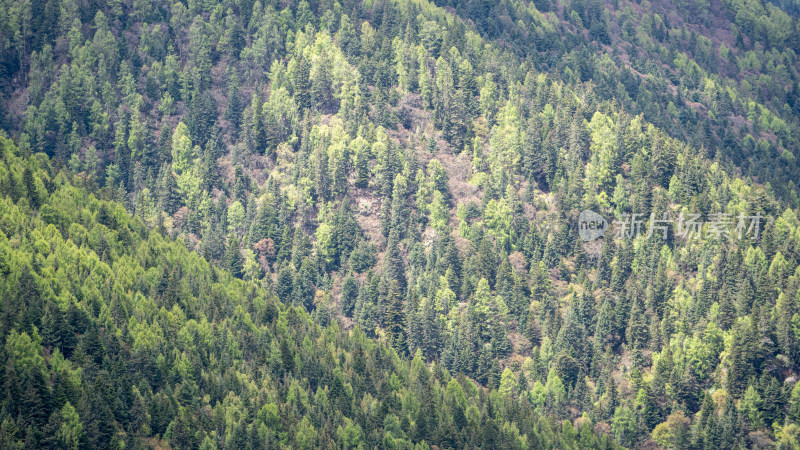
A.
pixel 349 295
pixel 393 316
pixel 233 257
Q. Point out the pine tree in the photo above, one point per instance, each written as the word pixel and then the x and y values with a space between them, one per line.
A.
pixel 167 191
pixel 394 267
pixel 302 83
pixel 571 337
pixel 638 330
pixel 303 286
pixel 256 130
pixel 233 257
pixel 32 192
pixel 362 169
pixel 233 113
pixel 394 317
pixel 773 399
pixel 349 295
pixel 284 284
pixel 430 328
pixel 56 332
pixel 751 408
pixel 400 210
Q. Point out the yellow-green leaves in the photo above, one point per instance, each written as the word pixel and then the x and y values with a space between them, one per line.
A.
pixel 182 150
pixel 506 140
pixel 602 163
pixel 184 156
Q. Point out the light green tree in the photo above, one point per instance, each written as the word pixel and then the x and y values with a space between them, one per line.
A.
pixel 236 217
pixel 71 432
pixel 601 166
pixel 508 383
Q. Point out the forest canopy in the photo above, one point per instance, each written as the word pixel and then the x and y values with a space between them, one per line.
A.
pixel 294 224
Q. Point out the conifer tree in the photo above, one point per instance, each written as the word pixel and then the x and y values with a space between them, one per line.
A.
pixel 233 256
pixel 349 295
pixel 302 83
pixel 393 316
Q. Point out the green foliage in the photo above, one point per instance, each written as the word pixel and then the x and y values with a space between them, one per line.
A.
pixel 166 340
pixel 409 169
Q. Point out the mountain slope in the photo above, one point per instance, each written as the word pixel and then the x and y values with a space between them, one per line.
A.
pixel 711 73
pixel 417 172
pixel 116 335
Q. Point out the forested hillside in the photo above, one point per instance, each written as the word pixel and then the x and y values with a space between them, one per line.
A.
pixel 292 223
pixel 115 336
